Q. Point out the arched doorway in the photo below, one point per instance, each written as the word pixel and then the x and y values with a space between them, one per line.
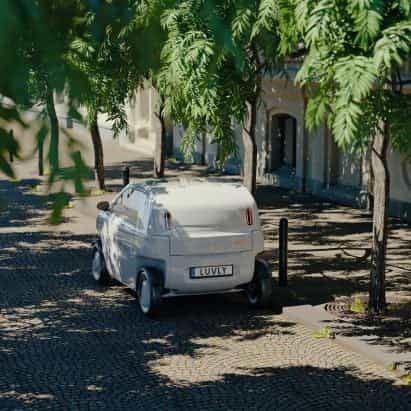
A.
pixel 282 143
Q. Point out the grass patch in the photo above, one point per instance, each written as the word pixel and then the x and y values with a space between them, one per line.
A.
pixel 406 379
pixel 358 306
pixel 36 188
pixel 325 332
pixel 392 367
pixel 70 204
pixel 97 193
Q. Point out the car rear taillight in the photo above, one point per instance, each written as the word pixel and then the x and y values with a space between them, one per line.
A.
pixel 167 220
pixel 249 216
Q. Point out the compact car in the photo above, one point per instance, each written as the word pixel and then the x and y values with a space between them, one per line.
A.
pixel 182 237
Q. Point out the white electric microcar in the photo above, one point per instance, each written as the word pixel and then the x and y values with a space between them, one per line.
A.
pixel 173 238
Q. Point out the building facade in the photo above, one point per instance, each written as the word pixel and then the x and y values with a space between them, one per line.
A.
pixel 288 155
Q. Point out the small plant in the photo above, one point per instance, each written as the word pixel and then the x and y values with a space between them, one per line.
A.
pixel 358 306
pixel 97 192
pixel 392 366
pixel 406 379
pixel 325 332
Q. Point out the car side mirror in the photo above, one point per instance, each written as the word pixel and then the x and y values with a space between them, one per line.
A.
pixel 103 205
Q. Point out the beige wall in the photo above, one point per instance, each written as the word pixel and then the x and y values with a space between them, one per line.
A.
pixel 143 123
pixel 400 171
pixel 319 162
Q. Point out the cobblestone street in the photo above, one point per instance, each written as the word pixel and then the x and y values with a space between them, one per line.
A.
pixel 66 343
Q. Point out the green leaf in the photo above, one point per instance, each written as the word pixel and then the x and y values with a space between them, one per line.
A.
pixel 367 15
pixel 59 202
pixel 316 110
pixel 393 47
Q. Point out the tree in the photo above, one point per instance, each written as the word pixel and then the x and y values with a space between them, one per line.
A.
pixel 160 142
pixel 214 61
pixel 49 38
pixel 102 55
pixel 355 53
pixel 45 52
pixel 149 28
pixel 42 34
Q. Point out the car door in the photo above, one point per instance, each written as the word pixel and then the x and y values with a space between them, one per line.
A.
pixel 131 234
pixel 110 234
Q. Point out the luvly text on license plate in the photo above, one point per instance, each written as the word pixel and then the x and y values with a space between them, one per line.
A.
pixel 211 271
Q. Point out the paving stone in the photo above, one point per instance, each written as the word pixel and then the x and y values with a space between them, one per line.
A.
pixel 66 343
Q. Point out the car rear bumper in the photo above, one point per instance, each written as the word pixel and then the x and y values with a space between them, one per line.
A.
pixel 178 280
pixel 175 293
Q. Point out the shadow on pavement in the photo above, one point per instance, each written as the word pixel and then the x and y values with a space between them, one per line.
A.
pixel 327 245
pixel 67 343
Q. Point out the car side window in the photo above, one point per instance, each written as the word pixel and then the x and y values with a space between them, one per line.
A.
pixel 135 208
pixel 117 207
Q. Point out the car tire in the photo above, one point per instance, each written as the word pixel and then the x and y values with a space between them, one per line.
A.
pixel 148 293
pixel 259 291
pixel 99 269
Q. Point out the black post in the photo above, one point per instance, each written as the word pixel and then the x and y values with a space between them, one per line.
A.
pixel 126 176
pixel 283 253
pixel 10 149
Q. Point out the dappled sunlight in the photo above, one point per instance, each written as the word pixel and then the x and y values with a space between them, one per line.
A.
pixel 91 344
pixel 211 352
pixel 328 246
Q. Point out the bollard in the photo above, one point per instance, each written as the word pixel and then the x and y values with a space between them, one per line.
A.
pixel 283 253
pixel 11 158
pixel 126 176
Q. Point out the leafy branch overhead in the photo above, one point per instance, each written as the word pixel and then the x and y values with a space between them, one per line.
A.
pixel 352 86
pixel 212 58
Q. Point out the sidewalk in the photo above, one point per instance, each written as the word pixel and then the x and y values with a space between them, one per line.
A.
pixel 370 339
pixel 327 243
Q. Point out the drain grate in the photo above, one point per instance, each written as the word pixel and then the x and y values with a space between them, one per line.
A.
pixel 340 307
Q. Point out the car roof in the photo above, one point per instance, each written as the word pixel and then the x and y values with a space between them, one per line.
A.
pixel 176 184
pixel 190 189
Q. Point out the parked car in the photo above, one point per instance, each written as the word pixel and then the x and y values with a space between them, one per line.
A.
pixel 172 238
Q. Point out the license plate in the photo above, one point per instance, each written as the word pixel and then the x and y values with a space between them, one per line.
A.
pixel 211 271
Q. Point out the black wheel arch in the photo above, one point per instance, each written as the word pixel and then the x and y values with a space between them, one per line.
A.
pixel 156 275
pixel 262 269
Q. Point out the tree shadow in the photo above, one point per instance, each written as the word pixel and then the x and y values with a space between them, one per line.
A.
pixel 19 204
pixel 62 331
pixel 391 330
pixel 327 246
pixel 67 343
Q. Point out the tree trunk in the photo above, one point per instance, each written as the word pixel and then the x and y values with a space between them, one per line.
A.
pixel 203 149
pixel 380 171
pixel 250 149
pixel 54 129
pixel 160 146
pixel 98 153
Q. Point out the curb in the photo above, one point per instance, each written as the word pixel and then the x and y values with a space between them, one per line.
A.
pixel 315 318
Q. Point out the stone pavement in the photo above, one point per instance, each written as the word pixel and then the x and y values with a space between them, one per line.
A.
pixel 66 343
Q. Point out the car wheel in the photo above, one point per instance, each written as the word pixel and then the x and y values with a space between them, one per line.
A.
pixel 98 268
pixel 148 293
pixel 260 290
